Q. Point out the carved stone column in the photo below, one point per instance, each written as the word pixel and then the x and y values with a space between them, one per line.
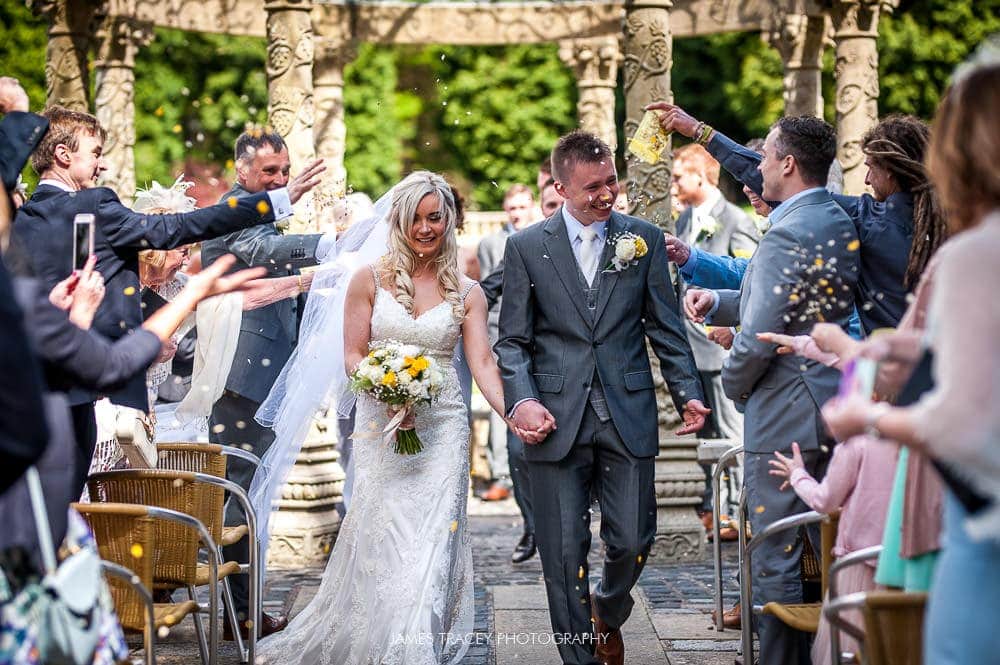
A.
pixel 329 130
pixel 305 524
pixel 800 40
pixel 114 99
pixel 290 87
pixel 595 63
pixel 680 484
pixel 855 25
pixel 648 57
pixel 67 78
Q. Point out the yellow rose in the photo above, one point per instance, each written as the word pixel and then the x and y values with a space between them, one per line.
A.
pixel 420 363
pixel 640 247
pixel 389 379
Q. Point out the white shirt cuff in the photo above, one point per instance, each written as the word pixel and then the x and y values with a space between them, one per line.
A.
pixel 519 403
pixel 715 307
pixel 326 244
pixel 280 203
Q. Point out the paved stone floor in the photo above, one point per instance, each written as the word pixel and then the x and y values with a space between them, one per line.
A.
pixel 670 624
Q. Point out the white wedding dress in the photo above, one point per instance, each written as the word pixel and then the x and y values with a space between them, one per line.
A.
pixel 398 587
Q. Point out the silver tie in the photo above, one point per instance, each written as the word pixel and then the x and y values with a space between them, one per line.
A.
pixel 588 253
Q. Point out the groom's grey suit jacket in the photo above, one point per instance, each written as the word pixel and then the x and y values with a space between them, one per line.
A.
pixel 804 271
pixel 552 346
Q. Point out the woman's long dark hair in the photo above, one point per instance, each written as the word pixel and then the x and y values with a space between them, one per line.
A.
pixel 898 144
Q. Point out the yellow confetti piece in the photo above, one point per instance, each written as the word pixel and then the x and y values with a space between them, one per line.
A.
pixel 793 297
pixel 580 573
pixel 177 129
pixel 853 245
pixel 158 112
pixel 263 208
pixel 454 526
pixel 638 559
pixel 136 551
pixel 818 262
pixel 759 509
pixel 231 202
pixel 129 290
pixel 230 164
pixel 788 548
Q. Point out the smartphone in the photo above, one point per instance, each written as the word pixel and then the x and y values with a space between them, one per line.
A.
pixel 858 378
pixel 83 239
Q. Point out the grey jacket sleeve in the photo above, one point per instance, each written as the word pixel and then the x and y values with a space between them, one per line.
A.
pixel 262 246
pixel 770 300
pixel 728 311
pixel 517 322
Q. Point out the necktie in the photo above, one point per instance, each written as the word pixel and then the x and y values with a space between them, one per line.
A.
pixel 588 253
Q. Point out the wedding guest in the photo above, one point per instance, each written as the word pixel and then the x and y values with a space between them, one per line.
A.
pixel 69 161
pixel 956 422
pixel 267 334
pixel 894 223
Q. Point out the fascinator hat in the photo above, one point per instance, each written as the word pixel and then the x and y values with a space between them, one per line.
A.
pixel 170 199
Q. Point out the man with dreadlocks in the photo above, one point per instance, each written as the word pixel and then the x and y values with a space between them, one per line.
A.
pixel 899 225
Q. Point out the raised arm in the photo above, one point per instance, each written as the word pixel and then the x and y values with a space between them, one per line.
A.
pixel 261 246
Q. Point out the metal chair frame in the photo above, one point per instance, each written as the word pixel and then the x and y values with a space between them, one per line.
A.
pixel 837 623
pixel 247 651
pixel 745 555
pixel 725 461
pixel 149 632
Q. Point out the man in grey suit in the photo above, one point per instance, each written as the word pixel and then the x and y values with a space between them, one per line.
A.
pixel 507 461
pixel 578 386
pixel 267 334
pixel 805 270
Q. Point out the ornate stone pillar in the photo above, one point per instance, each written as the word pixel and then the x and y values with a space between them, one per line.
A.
pixel 305 524
pixel 290 87
pixel 67 78
pixel 648 57
pixel 595 63
pixel 329 130
pixel 114 98
pixel 800 40
pixel 680 484
pixel 855 25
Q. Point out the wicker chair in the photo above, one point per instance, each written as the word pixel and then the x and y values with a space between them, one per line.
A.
pixel 177 566
pixel 211 459
pixel 127 539
pixel 894 625
pixel 800 616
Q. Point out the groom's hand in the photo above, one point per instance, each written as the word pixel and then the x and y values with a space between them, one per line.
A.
pixel 532 421
pixel 694 417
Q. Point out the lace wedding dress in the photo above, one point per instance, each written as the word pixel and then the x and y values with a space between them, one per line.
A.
pixel 398 587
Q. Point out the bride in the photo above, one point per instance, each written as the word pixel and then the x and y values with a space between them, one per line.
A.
pixel 398 586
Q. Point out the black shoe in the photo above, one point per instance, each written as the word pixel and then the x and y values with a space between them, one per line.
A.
pixel 525 548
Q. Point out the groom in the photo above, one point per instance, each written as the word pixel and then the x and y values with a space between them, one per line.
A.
pixel 578 386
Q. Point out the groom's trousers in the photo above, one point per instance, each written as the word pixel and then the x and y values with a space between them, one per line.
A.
pixel 623 484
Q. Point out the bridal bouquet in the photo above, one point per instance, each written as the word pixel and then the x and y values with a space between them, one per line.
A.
pixel 402 376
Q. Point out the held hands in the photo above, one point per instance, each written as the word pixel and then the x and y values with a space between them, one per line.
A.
pixel 831 338
pixel 694 417
pixel 306 180
pixel 532 422
pixel 784 342
pixel 675 119
pixel 697 304
pixel 678 251
pixel 783 467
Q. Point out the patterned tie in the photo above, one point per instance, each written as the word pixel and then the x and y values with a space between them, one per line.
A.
pixel 588 253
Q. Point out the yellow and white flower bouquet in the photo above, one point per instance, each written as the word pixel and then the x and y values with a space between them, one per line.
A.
pixel 401 376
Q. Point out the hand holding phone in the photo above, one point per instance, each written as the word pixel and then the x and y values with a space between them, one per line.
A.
pixel 83 239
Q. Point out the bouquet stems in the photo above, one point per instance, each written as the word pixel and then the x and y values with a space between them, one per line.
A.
pixel 407 442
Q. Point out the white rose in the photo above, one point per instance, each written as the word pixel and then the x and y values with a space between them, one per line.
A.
pixel 625 249
pixel 415 389
pixel 404 378
pixel 410 350
pixel 395 364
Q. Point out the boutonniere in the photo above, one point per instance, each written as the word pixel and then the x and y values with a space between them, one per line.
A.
pixel 708 229
pixel 629 248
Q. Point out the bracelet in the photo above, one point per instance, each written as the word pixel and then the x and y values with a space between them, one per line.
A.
pixel 704 134
pixel 875 414
pixel 697 131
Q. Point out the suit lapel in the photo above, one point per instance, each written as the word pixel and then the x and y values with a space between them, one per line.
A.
pixel 616 225
pixel 561 254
